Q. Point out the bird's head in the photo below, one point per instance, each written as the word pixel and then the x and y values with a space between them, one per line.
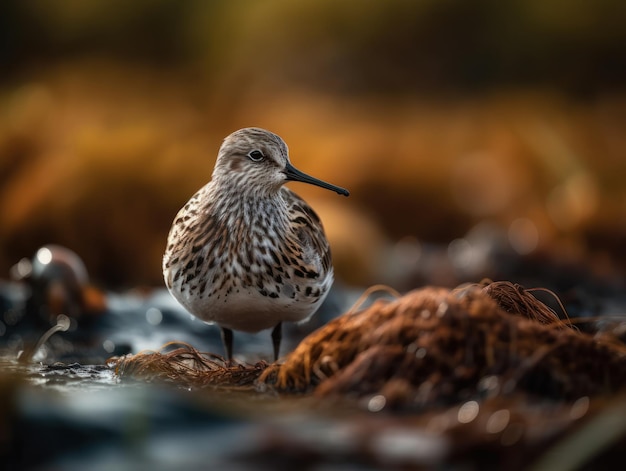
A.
pixel 257 161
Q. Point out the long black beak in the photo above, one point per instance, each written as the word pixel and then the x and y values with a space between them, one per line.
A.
pixel 295 175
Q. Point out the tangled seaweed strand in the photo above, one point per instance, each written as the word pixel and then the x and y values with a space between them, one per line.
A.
pixel 438 346
pixel 187 366
pixel 430 346
pixel 517 300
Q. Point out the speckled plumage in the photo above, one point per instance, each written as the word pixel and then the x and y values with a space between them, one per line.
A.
pixel 246 252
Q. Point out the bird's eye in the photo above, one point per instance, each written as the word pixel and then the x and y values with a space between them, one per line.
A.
pixel 256 155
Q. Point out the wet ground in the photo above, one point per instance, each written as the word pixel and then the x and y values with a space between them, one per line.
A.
pixel 63 406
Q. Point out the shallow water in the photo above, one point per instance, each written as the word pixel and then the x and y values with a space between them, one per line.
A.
pixel 84 419
pixel 68 410
pixel 76 417
pixel 87 419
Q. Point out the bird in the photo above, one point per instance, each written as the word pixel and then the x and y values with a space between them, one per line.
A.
pixel 245 252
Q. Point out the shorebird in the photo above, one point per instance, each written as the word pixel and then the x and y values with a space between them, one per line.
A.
pixel 245 252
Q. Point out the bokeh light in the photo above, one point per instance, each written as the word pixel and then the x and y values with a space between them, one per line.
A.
pixel 438 116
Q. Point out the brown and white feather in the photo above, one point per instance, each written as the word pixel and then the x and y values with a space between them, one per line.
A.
pixel 245 252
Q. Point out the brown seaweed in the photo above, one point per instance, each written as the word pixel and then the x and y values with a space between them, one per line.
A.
pixel 439 346
pixel 182 364
pixel 430 346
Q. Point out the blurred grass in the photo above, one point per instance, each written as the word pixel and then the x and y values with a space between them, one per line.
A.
pixel 436 115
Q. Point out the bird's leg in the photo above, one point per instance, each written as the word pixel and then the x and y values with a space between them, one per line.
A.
pixel 227 340
pixel 277 335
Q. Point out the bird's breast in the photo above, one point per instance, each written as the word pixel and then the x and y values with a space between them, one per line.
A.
pixel 249 268
pixel 251 309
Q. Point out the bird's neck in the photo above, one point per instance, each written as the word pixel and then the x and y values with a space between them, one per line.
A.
pixel 253 209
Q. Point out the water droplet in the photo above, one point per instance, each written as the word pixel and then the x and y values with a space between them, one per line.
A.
pixel 376 403
pixel 488 383
pixel 420 353
pixel 21 269
pixel 108 345
pixel 498 421
pixel 44 255
pixel 579 408
pixel 154 316
pixel 468 412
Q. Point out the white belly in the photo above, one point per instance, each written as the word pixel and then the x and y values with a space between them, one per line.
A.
pixel 248 311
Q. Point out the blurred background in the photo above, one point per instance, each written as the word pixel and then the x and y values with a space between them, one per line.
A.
pixel 477 139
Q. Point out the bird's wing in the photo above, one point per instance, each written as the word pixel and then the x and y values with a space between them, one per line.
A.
pixel 308 239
